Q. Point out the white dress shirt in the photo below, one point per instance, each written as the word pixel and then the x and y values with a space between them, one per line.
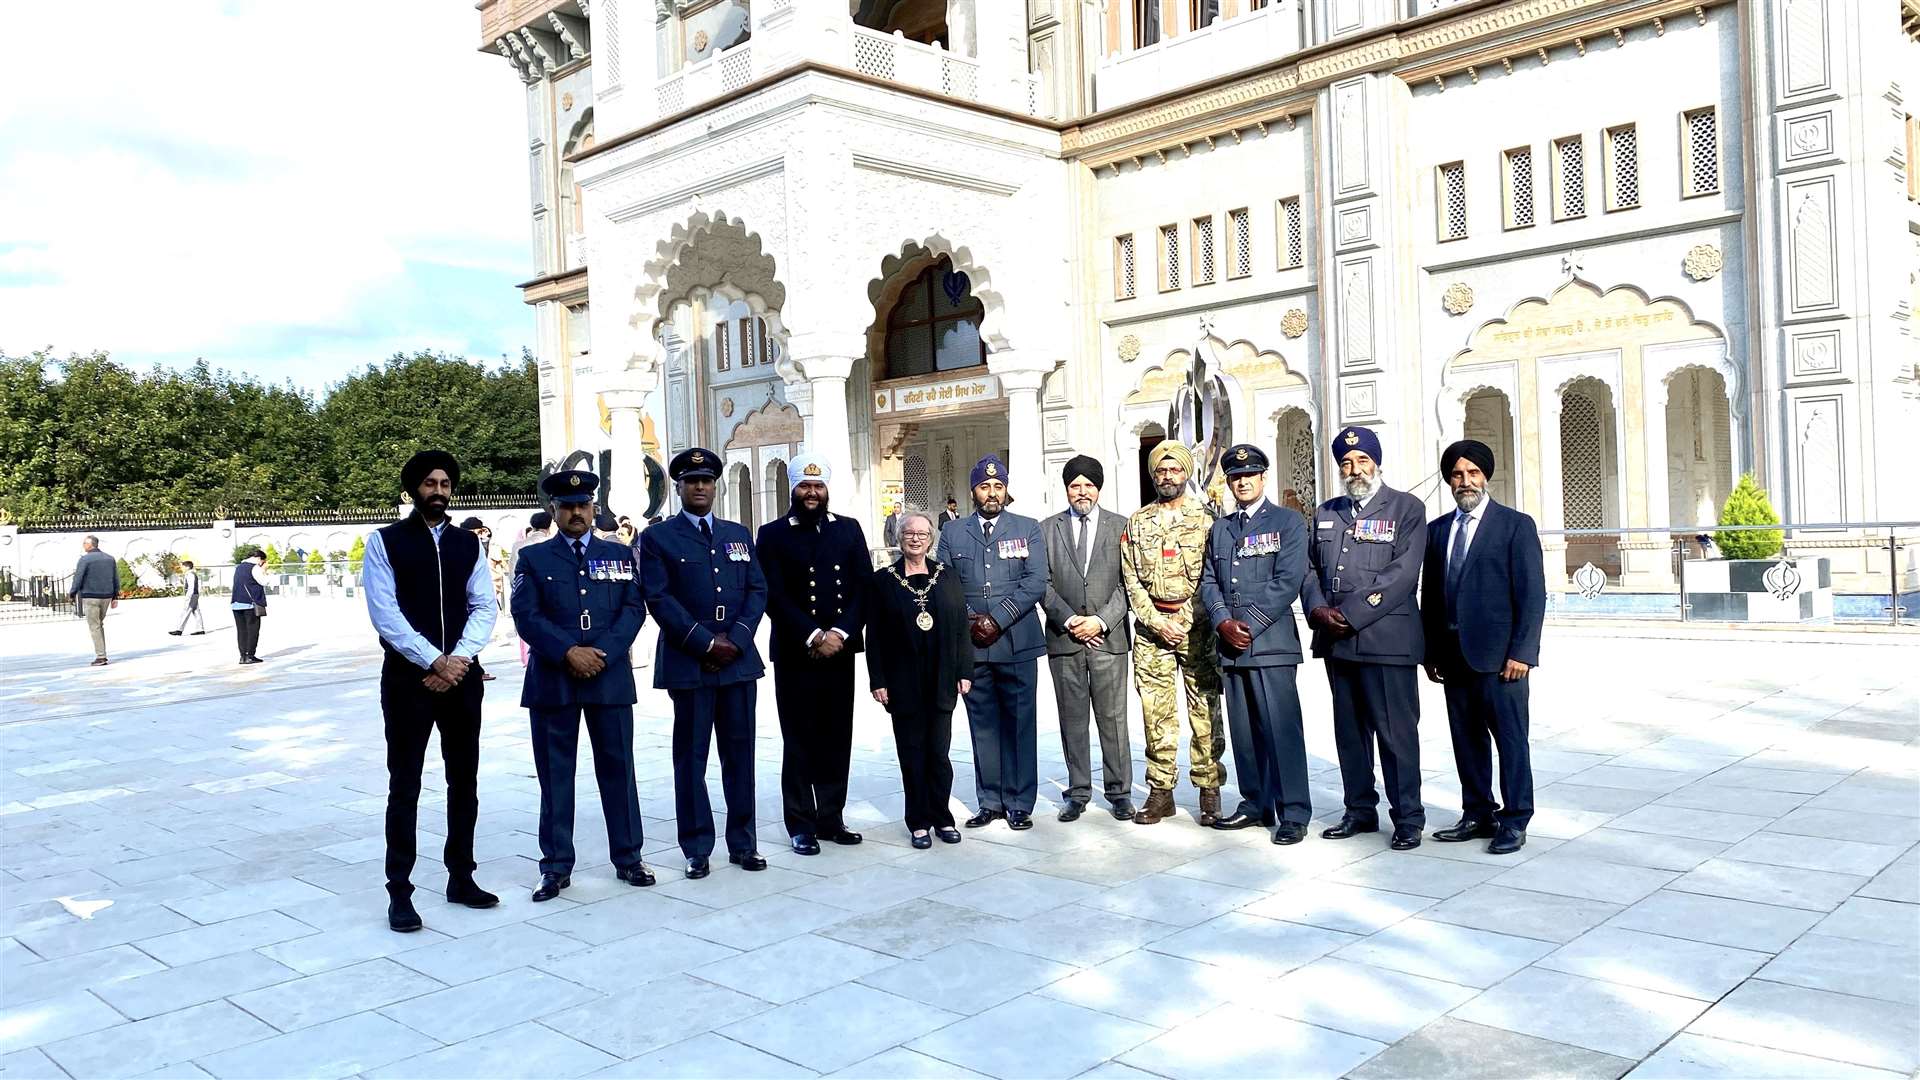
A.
pixel 383 606
pixel 1472 524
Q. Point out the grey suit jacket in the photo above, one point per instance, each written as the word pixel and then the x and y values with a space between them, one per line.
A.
pixel 1098 591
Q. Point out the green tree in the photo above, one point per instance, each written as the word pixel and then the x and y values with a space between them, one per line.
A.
pixel 1748 504
pixel 357 554
pixel 275 560
pixel 316 562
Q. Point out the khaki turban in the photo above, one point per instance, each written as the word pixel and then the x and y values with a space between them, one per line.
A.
pixel 1178 452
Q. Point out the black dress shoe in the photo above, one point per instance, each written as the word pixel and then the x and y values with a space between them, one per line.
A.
pixel 983 818
pixel 1240 819
pixel 947 834
pixel 843 836
pixel 697 869
pixel 173 633
pixel 1072 811
pixel 1124 810
pixel 468 893
pixel 1465 829
pixel 1018 820
pixel 752 860
pixel 401 917
pixel 198 633
pixel 1289 832
pixel 550 886
pixel 637 875
pixel 1405 837
pixel 1507 841
pixel 1349 825
pixel 805 845
pixel 923 841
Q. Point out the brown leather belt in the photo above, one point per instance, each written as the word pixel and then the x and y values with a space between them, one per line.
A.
pixel 1171 607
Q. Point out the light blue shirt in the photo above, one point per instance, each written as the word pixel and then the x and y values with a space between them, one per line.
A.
pixel 695 519
pixel 383 606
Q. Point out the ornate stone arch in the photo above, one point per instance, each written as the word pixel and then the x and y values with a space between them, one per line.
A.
pixel 898 270
pixel 706 250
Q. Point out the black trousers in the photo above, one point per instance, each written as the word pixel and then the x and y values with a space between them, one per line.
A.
pixel 1269 742
pixel 1486 713
pixel 924 742
pixel 1000 716
pixel 1084 678
pixel 411 712
pixel 246 627
pixel 1378 703
pixel 815 699
pixel 698 716
pixel 556 756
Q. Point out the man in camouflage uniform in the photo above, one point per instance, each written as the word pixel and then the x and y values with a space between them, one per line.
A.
pixel 1161 555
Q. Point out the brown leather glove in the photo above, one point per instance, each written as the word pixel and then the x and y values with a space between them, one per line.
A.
pixel 1238 635
pixel 984 630
pixel 1339 624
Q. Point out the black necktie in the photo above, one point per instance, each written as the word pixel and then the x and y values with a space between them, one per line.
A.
pixel 1457 559
pixel 579 550
pixel 1244 518
pixel 706 531
pixel 986 527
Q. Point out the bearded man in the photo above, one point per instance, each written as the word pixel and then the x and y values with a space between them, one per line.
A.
pixel 1363 565
pixel 1484 602
pixel 1161 556
pixel 816 567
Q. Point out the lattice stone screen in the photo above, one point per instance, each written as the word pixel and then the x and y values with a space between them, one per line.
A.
pixel 1570 158
pixel 1291 243
pixel 1453 201
pixel 1582 476
pixel 1623 167
pixel 1203 261
pixel 873 54
pixel 1241 232
pixel 1170 256
pixel 913 475
pixel 1520 188
pixel 1703 152
pixel 1123 269
pixel 1300 465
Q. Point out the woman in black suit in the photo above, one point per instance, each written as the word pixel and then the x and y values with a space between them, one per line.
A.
pixel 918 660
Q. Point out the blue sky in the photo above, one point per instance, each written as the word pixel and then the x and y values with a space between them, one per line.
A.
pixel 288 190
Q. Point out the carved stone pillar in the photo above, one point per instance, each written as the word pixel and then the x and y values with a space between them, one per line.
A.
pixel 626 399
pixel 1020 379
pixel 1553 510
pixel 826 359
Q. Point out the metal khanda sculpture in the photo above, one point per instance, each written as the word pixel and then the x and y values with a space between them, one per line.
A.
pixel 1201 416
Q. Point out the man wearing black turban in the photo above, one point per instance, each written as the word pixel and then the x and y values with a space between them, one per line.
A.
pixel 430 596
pixel 1087 639
pixel 1483 599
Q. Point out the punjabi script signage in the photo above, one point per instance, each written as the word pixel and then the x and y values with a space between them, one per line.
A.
pixel 1578 328
pixel 948 392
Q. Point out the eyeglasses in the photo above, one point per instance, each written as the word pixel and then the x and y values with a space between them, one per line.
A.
pixel 916 535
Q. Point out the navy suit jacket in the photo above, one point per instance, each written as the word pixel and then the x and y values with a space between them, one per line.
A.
pixel 1256 589
pixel 695 591
pixel 1500 602
pixel 999 581
pixel 550 596
pixel 817 579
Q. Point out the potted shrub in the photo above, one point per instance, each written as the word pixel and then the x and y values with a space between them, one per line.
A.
pixel 1751 581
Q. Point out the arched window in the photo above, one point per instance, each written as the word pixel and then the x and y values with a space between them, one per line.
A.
pixel 935 325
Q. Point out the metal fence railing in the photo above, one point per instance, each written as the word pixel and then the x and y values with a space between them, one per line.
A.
pixel 1871 573
pixel 31 597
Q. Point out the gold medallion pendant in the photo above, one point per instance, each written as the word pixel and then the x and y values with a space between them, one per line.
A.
pixel 923 620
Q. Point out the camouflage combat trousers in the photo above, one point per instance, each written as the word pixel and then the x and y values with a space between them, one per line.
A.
pixel 1155 668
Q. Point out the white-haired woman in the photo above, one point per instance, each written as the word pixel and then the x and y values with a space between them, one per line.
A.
pixel 918 660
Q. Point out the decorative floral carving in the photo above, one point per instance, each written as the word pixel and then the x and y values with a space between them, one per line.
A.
pixel 1458 299
pixel 726 406
pixel 1703 262
pixel 700 40
pixel 566 101
pixel 1293 323
pixel 1130 348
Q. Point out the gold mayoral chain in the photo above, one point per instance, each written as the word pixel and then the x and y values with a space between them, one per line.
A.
pixel 923 620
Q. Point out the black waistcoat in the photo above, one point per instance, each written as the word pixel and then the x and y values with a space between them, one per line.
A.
pixel 431 584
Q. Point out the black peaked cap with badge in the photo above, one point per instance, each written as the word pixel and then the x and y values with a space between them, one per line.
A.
pixel 694 463
pixel 571 486
pixel 1244 459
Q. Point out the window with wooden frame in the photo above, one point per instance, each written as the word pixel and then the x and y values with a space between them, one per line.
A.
pixel 935 324
pixel 1124 273
pixel 1204 263
pixel 1239 243
pixel 1451 200
pixel 1620 162
pixel 1516 187
pixel 1288 232
pixel 1169 257
pixel 1146 23
pixel 1569 178
pixel 1202 13
pixel 1700 149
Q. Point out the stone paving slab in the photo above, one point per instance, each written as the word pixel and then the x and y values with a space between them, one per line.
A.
pixel 1722 880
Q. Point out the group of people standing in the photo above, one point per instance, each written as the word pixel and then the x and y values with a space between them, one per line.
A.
pixel 1199 601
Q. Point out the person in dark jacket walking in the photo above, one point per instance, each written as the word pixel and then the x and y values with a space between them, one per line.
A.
pixel 919 662
pixel 249 604
pixel 95 588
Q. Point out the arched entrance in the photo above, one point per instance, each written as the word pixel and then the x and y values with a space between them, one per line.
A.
pixel 1294 453
pixel 1489 419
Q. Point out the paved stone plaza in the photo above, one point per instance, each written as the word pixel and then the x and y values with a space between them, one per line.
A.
pixel 1722 880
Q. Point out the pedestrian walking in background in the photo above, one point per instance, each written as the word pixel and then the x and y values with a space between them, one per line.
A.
pixel 249 604
pixel 191 613
pixel 95 588
pixel 496 560
pixel 539 528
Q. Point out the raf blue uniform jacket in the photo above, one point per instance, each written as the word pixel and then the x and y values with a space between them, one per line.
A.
pixel 1253 574
pixel 1500 602
pixel 696 590
pixel 1367 564
pixel 559 602
pixel 1005 577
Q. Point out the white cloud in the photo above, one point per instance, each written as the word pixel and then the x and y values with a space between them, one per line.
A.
pixel 196 177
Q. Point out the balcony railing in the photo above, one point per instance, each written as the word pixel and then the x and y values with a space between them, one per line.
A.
pixel 1229 44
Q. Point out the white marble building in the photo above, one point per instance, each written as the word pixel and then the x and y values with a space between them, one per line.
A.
pixel 1639 246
